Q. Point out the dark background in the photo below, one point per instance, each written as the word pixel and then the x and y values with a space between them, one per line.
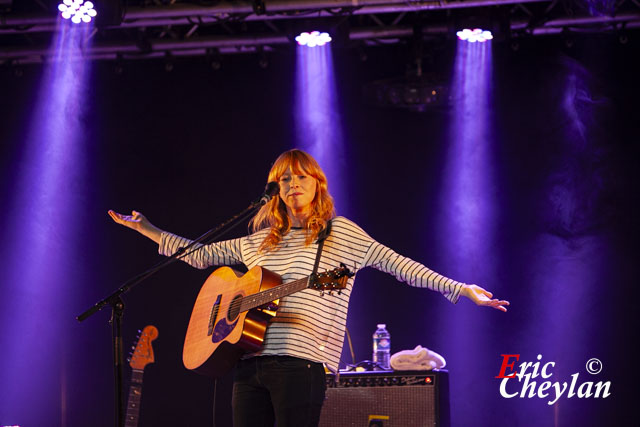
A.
pixel 191 147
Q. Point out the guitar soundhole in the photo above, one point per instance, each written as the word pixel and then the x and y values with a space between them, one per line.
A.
pixel 234 309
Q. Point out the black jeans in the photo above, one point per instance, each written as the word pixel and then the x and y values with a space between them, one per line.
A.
pixel 287 390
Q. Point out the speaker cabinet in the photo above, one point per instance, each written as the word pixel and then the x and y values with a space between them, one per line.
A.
pixel 387 399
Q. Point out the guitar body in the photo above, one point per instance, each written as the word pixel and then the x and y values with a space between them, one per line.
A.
pixel 219 332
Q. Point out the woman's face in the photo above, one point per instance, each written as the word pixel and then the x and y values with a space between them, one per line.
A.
pixel 297 190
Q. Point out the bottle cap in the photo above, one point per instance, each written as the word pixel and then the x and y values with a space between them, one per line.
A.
pixel 382 325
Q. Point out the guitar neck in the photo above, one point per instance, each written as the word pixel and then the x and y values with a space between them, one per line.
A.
pixel 135 393
pixel 277 292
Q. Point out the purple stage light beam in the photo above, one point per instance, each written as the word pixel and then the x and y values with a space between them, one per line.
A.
pixel 468 193
pixel 43 221
pixel 317 116
pixel 572 256
pixel 318 123
pixel 468 215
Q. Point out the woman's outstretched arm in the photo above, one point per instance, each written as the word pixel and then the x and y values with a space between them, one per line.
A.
pixel 138 222
pixel 481 296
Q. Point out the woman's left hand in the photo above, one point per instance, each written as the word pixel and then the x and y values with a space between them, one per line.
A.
pixel 481 296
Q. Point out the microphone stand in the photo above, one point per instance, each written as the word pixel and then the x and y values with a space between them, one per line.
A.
pixel 117 305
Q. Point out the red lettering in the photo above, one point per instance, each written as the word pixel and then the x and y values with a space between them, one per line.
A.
pixel 506 364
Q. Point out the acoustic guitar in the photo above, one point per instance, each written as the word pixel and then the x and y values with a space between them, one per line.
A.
pixel 141 357
pixel 232 312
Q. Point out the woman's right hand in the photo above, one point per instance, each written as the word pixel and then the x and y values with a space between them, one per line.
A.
pixel 138 222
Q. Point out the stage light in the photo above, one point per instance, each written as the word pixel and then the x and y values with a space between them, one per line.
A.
pixel 475 35
pixel 312 39
pixel 77 10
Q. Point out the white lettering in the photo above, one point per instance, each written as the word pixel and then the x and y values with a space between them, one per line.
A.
pixel 599 386
pixel 574 380
pixel 529 388
pixel 523 368
pixel 545 385
pixel 503 389
pixel 536 366
pixel 544 369
pixel 559 392
pixel 587 392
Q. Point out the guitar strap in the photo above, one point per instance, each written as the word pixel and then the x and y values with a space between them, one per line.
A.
pixel 321 238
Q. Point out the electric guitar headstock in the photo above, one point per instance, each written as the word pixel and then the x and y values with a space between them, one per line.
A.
pixel 143 353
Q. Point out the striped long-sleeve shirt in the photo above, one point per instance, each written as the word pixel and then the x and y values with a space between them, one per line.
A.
pixel 308 325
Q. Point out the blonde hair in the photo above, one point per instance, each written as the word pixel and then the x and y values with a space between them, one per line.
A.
pixel 274 213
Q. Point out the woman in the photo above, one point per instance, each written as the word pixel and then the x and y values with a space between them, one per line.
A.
pixel 285 380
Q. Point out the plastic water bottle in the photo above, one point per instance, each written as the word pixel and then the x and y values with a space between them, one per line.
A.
pixel 381 347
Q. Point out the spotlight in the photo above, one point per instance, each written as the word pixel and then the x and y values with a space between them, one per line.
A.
pixel 313 38
pixel 77 10
pixel 475 35
pixel 319 31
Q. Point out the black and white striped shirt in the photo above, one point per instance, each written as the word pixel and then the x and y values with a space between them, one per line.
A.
pixel 308 325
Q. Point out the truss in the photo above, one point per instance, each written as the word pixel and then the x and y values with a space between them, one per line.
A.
pixel 175 28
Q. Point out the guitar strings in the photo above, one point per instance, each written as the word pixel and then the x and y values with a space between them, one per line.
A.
pixel 262 298
pixel 236 303
pixel 225 307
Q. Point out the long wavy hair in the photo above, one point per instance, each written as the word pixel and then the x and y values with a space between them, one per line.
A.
pixel 273 215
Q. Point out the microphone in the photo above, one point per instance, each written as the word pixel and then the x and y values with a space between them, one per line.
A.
pixel 270 190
